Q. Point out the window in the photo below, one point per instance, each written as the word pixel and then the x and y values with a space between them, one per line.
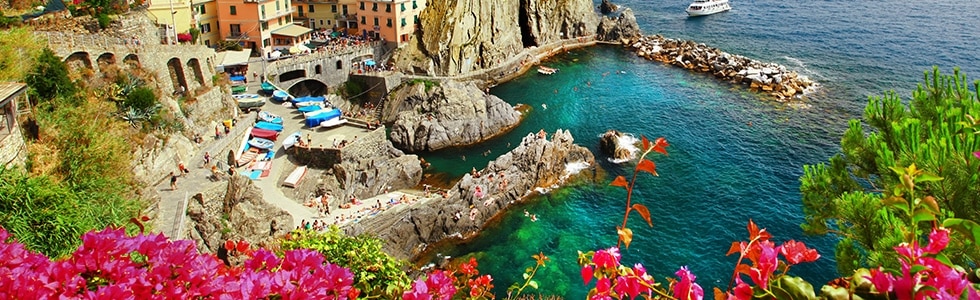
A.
pixel 374 6
pixel 207 43
pixel 300 11
pixel 414 5
pixel 321 22
pixel 317 69
pixel 363 20
pixel 403 22
pixel 289 19
pixel 389 22
pixel 236 29
pixel 403 6
pixel 280 21
pixel 404 37
pixel 278 6
pixel 312 10
pixel 262 10
pixel 266 42
pixel 234 11
pixel 416 19
pixel 265 25
pixel 339 65
pixel 205 28
pixel 362 5
pixel 387 7
pixel 345 9
pixel 333 8
pixel 376 21
pixel 202 10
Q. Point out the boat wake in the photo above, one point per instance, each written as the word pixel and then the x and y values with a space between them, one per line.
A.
pixel 626 141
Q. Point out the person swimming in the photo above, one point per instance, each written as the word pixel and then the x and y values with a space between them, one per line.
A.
pixel 544 106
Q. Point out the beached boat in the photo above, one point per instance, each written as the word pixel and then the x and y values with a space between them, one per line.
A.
pixel 279 95
pixel 261 143
pixel 270 117
pixel 264 133
pixel 313 121
pixel 707 7
pixel 304 104
pixel 546 70
pixel 247 101
pixel 316 112
pixel 295 177
pixel 308 99
pixel 291 140
pixel 309 108
pixel 268 126
pixel 268 88
pixel 333 122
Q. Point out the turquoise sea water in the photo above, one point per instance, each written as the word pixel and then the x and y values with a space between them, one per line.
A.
pixel 734 156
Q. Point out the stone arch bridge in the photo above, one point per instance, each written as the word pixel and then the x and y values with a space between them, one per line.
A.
pixel 328 67
pixel 188 66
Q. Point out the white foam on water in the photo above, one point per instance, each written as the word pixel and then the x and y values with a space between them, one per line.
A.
pixel 573 168
pixel 626 141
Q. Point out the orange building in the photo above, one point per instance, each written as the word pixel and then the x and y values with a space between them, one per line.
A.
pixel 325 14
pixel 261 25
pixel 391 20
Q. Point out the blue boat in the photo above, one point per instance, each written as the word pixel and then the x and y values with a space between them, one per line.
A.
pixel 279 95
pixel 261 143
pixel 306 109
pixel 268 88
pixel 315 120
pixel 268 126
pixel 309 99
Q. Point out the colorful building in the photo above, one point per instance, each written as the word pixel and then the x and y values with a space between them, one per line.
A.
pixel 325 14
pixel 206 19
pixel 261 25
pixel 392 20
pixel 171 14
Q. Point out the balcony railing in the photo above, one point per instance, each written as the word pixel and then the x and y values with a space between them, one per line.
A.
pixel 277 14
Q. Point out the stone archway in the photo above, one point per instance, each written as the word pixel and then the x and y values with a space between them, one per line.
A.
pixel 195 66
pixel 132 60
pixel 78 60
pixel 176 74
pixel 291 75
pixel 308 87
pixel 105 60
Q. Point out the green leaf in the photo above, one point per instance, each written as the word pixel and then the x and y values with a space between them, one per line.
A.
pixel 525 276
pixel 926 177
pixel 964 226
pixel 923 214
pixel 796 288
pixel 533 284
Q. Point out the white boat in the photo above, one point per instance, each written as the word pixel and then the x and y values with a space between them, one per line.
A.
pixel 291 140
pixel 546 70
pixel 707 7
pixel 270 117
pixel 333 122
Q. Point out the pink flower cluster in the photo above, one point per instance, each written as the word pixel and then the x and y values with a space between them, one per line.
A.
pixel 763 254
pixel 111 265
pixel 442 284
pixel 614 280
pixel 923 276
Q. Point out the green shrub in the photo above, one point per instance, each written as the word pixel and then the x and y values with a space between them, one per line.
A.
pixel 49 78
pixel 140 99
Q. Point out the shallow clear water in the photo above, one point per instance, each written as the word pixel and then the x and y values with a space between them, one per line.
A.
pixel 734 156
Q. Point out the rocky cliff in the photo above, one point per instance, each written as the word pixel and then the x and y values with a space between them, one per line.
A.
pixel 539 161
pixel 438 115
pixel 615 29
pixel 369 166
pixel 234 212
pixel 459 36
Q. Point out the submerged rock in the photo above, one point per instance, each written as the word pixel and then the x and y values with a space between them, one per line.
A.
pixel 538 162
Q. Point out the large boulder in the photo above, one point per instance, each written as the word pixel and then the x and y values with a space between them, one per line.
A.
pixel 438 115
pixel 539 161
pixel 607 7
pixel 611 144
pixel 369 166
pixel 235 211
pixel 622 27
pixel 461 36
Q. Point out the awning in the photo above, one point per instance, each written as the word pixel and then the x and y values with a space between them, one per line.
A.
pixel 292 30
pixel 232 58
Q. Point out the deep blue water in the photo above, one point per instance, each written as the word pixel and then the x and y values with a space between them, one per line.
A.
pixel 734 155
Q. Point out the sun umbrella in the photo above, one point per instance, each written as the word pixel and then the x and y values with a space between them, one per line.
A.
pixel 275 54
pixel 369 62
pixel 294 50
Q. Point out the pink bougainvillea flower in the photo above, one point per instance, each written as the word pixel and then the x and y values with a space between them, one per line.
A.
pixel 607 258
pixel 602 288
pixel 419 291
pixel 742 291
pixel 441 284
pixel 976 154
pixel 686 289
pixel 765 266
pixel 587 274
pixel 882 281
pixel 797 252
pixel 938 239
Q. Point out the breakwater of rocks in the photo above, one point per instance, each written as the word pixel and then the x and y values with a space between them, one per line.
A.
pixel 769 78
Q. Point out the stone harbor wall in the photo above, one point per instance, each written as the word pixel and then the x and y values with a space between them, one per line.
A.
pixel 541 160
pixel 436 115
pixel 770 78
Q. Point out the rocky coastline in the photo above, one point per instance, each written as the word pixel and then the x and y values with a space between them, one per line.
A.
pixel 448 114
pixel 540 161
pixel 769 78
